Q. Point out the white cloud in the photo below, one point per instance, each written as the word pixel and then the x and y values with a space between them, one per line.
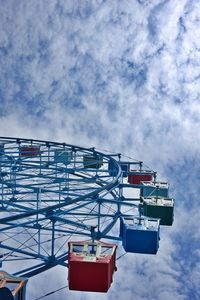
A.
pixel 119 75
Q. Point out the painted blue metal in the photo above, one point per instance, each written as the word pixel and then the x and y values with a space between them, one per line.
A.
pixel 48 194
pixel 140 235
pixel 60 192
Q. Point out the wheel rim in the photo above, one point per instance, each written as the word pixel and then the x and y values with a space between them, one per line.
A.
pixel 45 202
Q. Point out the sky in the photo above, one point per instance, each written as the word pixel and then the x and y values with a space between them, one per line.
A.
pixel 120 75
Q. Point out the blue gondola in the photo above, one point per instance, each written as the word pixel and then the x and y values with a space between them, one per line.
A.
pixel 112 168
pixel 1 149
pixel 140 234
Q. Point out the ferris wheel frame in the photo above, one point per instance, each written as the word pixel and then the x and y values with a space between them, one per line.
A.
pixel 58 193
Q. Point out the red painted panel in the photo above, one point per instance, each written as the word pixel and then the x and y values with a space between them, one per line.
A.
pixel 138 178
pixel 91 265
pixel 90 276
pixel 29 151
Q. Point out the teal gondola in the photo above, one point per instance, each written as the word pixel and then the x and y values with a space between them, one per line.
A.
pixel 62 156
pixel 154 189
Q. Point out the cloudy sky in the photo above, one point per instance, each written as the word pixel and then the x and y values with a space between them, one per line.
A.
pixel 121 75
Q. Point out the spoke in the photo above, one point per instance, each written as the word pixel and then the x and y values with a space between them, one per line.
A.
pixel 52 196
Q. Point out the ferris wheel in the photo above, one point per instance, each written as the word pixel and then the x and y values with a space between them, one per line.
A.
pixel 62 204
